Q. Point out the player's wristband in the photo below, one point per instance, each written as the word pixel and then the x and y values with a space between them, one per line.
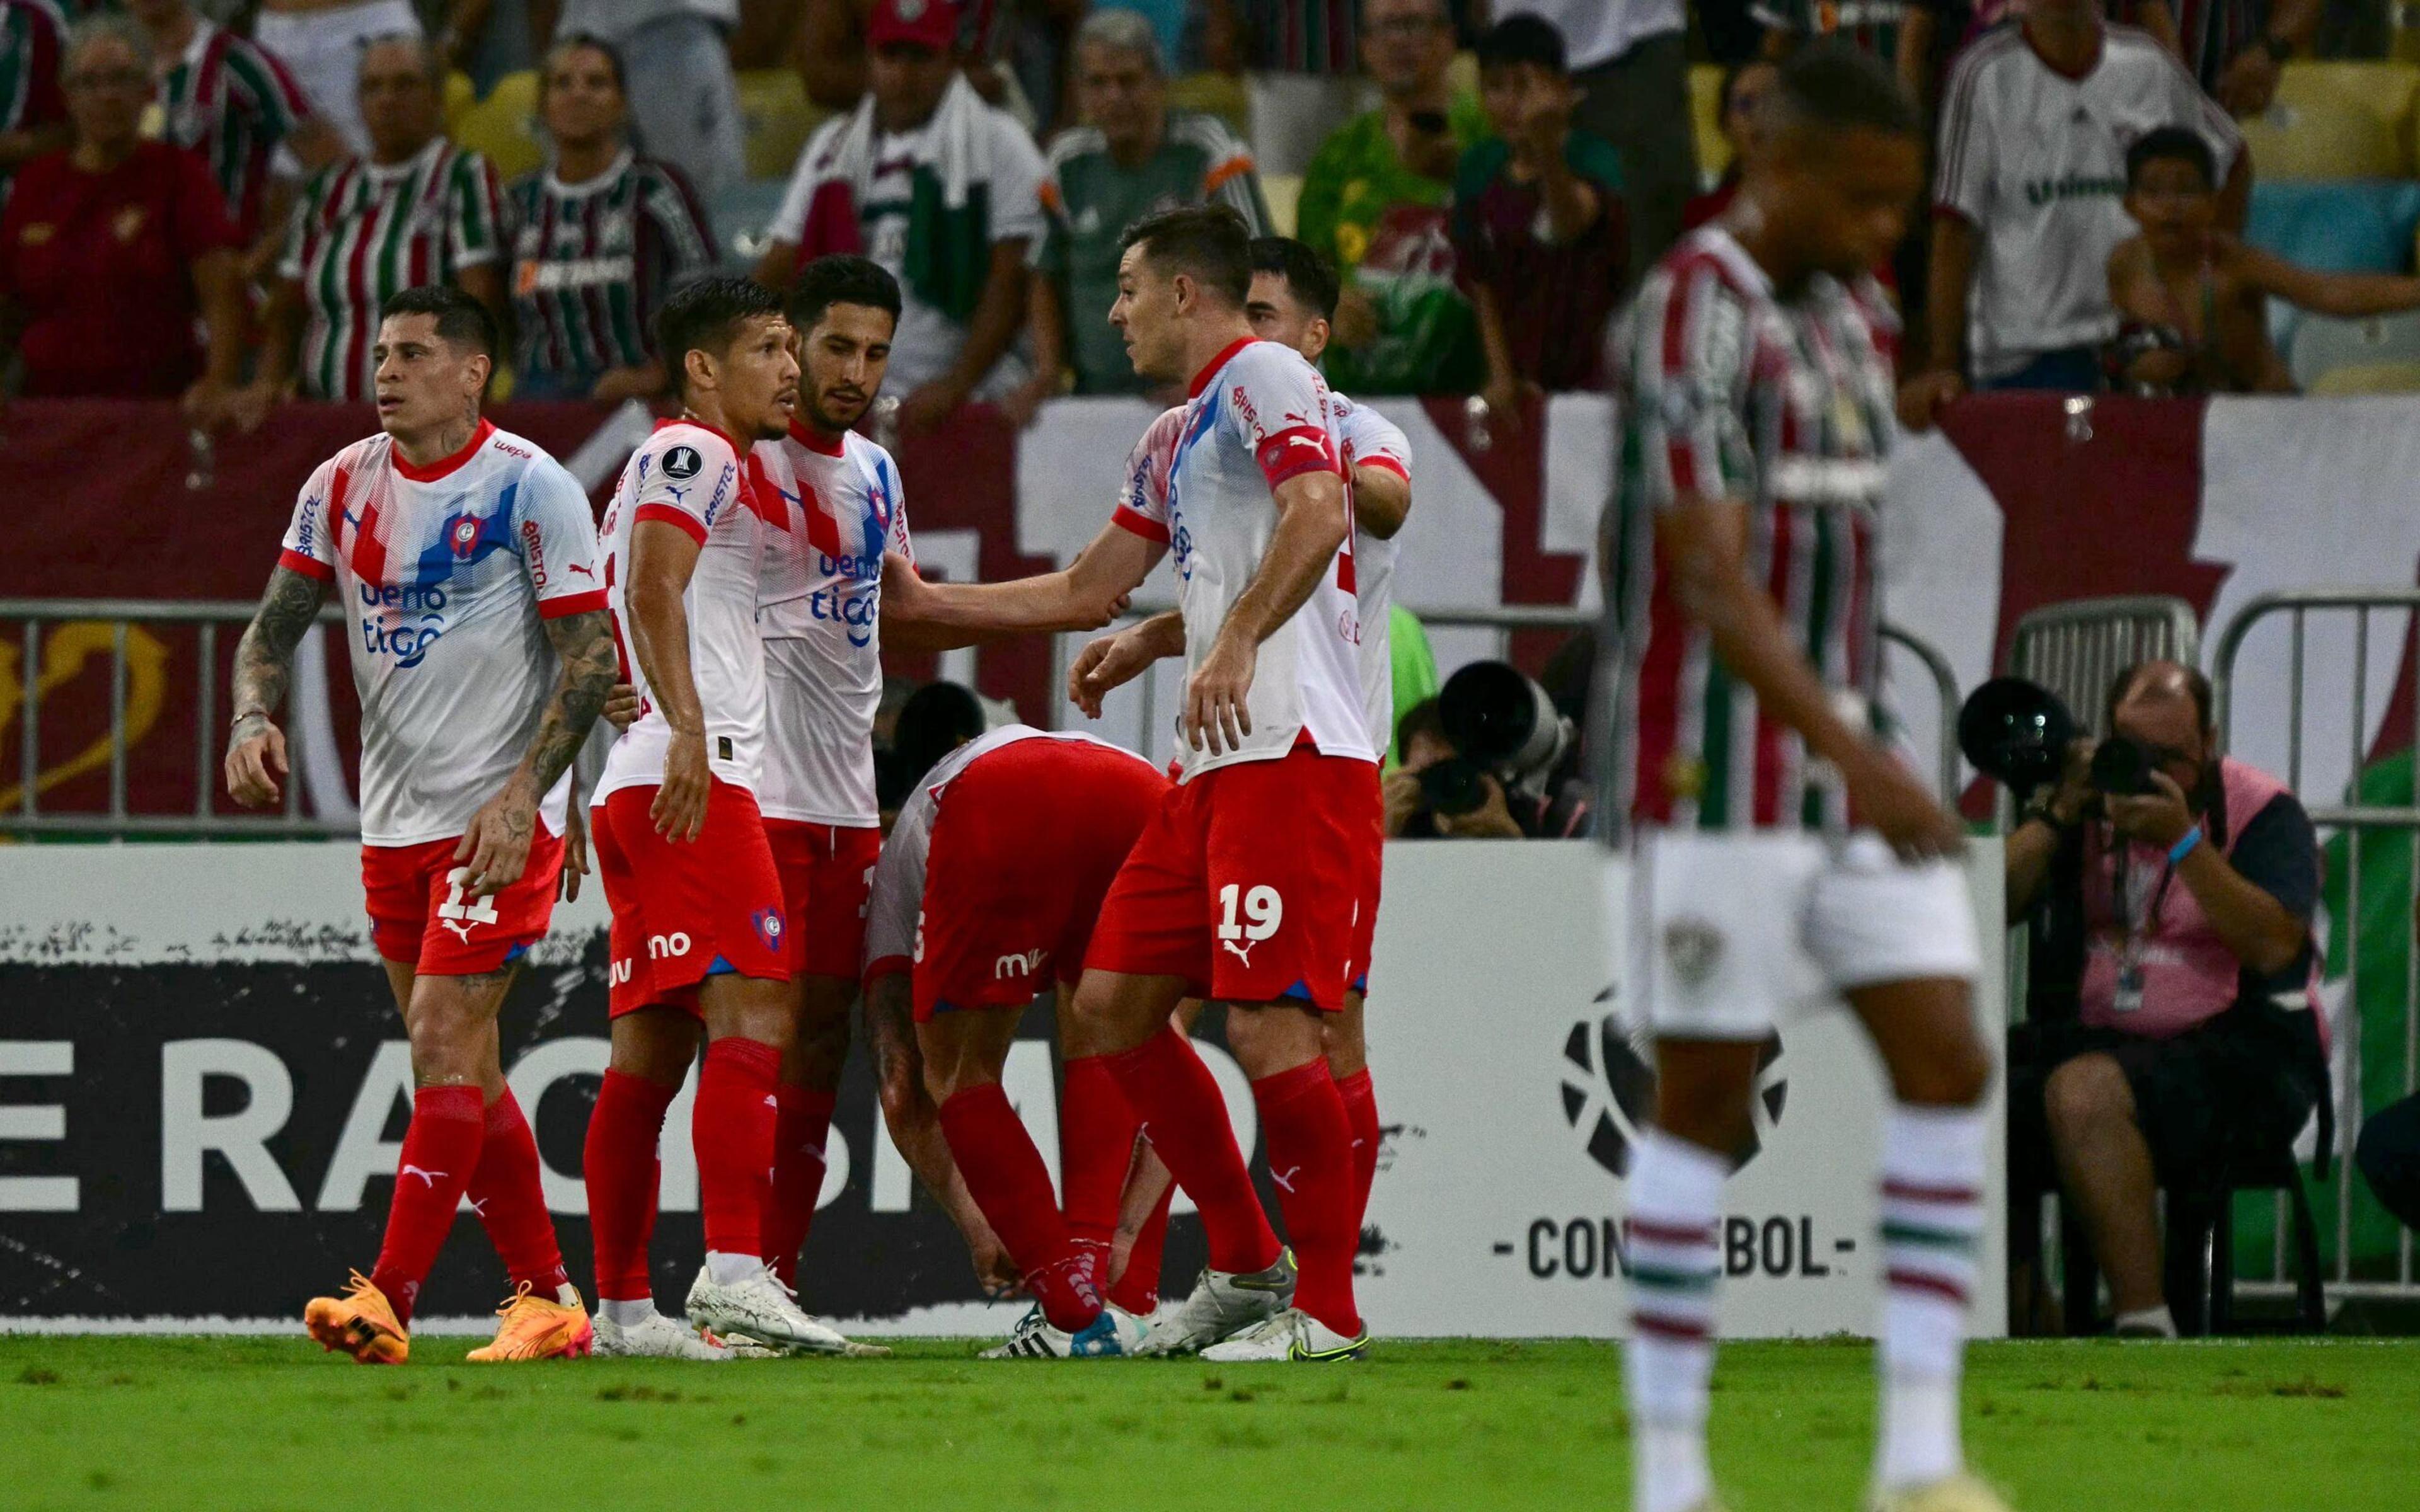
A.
pixel 242 715
pixel 2185 847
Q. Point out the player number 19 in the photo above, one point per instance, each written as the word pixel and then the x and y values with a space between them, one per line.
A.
pixel 1262 906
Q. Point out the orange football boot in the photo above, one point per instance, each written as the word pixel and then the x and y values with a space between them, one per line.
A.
pixel 540 1328
pixel 362 1322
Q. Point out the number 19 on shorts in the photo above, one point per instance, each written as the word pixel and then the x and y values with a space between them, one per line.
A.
pixel 1262 912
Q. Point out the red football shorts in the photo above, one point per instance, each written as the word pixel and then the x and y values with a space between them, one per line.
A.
pixel 1249 881
pixel 1365 907
pixel 685 910
pixel 419 916
pixel 826 872
pixel 1025 845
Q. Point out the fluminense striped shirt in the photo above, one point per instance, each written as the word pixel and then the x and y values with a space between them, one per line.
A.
pixel 31 36
pixel 362 233
pixel 1726 391
pixel 592 262
pixel 231 102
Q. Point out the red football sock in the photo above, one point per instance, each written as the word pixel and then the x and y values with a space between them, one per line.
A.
pixel 441 1150
pixel 1178 1099
pixel 1138 1287
pixel 736 1113
pixel 622 1176
pixel 800 1126
pixel 1005 1176
pixel 1362 1118
pixel 1096 1141
pixel 509 1195
pixel 1310 1160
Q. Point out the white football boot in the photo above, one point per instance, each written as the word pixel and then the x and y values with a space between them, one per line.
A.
pixel 766 1312
pixel 1224 1304
pixel 658 1338
pixel 1292 1335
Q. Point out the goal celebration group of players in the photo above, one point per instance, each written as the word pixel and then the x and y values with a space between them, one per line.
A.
pixel 728 614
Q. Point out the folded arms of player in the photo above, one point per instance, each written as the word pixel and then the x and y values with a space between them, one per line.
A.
pixel 264 663
pixel 922 615
pixel 496 844
pixel 1701 539
pixel 664 557
pixel 1313 522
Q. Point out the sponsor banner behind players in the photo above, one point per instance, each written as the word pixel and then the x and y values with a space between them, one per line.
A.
pixel 202 1078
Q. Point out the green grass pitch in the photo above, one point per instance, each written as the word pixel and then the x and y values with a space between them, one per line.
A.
pixel 255 1424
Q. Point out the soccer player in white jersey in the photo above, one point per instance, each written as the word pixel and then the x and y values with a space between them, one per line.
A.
pixel 468 569
pixel 1293 299
pixel 1776 842
pixel 699 928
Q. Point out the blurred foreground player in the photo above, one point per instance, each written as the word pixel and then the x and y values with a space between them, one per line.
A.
pixel 482 655
pixel 1771 830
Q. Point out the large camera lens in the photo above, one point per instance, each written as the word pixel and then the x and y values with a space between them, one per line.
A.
pixel 2123 767
pixel 1453 787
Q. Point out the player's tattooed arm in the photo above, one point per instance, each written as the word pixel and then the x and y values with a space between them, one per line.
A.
pixel 264 665
pixel 496 845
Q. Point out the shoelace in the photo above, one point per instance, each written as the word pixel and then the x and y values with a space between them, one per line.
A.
pixel 512 1304
pixel 358 1284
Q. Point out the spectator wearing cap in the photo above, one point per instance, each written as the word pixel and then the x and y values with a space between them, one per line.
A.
pixel 1631 61
pixel 112 248
pixel 415 209
pixel 1539 229
pixel 2235 48
pixel 940 187
pixel 687 107
pixel 1130 158
pixel 1373 203
pixel 601 235
pixel 321 42
pixel 2027 196
pixel 33 113
pixel 237 108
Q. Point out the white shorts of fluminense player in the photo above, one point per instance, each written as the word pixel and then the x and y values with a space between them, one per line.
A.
pixel 1729 934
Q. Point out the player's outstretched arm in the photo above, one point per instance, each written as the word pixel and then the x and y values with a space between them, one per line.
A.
pixel 1382 501
pixel 663 558
pixel 1312 523
pixel 915 1125
pixel 496 845
pixel 1085 595
pixel 264 664
pixel 1701 539
pixel 1116 659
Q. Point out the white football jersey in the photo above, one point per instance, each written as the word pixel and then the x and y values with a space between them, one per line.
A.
pixel 1202 484
pixel 829 516
pixel 445 572
pixel 1371 439
pixel 2037 162
pixel 898 895
pixel 689 475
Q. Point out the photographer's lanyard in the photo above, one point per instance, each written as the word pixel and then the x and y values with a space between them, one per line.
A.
pixel 2135 924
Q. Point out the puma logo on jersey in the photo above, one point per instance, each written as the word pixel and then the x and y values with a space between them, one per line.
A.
pixel 1243 952
pixel 1302 441
pixel 432 1177
pixel 582 569
pixel 461 932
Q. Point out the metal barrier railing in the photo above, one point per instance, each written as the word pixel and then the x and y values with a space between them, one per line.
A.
pixel 206 618
pixel 2077 649
pixel 2357 822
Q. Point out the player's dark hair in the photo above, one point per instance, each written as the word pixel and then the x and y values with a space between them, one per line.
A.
pixel 582 42
pixel 1209 241
pixel 842 278
pixel 1523 38
pixel 937 718
pixel 461 321
pixel 1833 87
pixel 1310 277
pixel 705 315
pixel 2171 143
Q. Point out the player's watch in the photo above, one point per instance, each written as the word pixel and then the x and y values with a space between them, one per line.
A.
pixel 242 715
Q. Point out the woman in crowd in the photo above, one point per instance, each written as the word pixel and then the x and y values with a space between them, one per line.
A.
pixel 112 248
pixel 602 236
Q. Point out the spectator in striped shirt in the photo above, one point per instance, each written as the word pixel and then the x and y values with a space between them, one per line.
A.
pixel 601 235
pixel 33 114
pixel 418 209
pixel 1130 158
pixel 230 102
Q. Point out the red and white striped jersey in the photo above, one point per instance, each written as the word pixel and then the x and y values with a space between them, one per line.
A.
pixel 1371 439
pixel 444 572
pixel 362 233
pixel 689 475
pixel 1203 483
pixel 1727 390
pixel 232 102
pixel 831 512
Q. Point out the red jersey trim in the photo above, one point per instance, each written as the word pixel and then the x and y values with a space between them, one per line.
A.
pixel 1140 524
pixel 1202 379
pixel 1384 464
pixel 439 469
pixel 672 516
pixel 1294 451
pixel 307 567
pixel 813 440
pixel 588 603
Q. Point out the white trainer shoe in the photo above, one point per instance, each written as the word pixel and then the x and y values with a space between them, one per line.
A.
pixel 658 1338
pixel 1116 1332
pixel 762 1310
pixel 1223 1305
pixel 1292 1335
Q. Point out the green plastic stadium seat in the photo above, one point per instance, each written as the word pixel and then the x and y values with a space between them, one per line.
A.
pixel 1706 116
pixel 775 118
pixel 1283 191
pixel 503 127
pixel 2369 378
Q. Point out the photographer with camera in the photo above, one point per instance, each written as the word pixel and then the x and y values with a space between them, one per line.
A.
pixel 1489 758
pixel 2175 889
